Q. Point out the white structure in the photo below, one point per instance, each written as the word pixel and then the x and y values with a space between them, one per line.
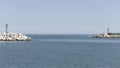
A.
pixel 108 35
pixel 13 37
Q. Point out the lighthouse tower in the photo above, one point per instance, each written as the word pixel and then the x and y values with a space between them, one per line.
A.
pixel 6 27
pixel 108 31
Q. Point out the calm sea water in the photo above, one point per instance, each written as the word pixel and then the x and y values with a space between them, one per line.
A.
pixel 61 51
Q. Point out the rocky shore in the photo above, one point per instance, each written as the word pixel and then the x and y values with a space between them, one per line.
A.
pixel 13 37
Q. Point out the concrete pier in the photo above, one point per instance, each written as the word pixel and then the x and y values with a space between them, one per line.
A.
pixel 13 37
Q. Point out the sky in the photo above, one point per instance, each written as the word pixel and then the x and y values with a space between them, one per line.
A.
pixel 60 16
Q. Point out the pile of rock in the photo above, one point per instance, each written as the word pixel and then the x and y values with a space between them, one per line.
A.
pixel 14 37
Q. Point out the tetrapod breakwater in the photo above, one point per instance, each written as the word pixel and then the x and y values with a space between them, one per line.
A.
pixel 13 37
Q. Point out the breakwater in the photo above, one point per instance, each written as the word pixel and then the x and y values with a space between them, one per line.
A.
pixel 13 37
pixel 107 35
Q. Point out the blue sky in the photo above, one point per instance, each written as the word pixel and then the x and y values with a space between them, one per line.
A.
pixel 60 16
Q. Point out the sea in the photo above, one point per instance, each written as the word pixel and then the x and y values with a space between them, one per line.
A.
pixel 61 51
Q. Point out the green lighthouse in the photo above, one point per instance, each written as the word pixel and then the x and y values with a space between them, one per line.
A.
pixel 6 28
